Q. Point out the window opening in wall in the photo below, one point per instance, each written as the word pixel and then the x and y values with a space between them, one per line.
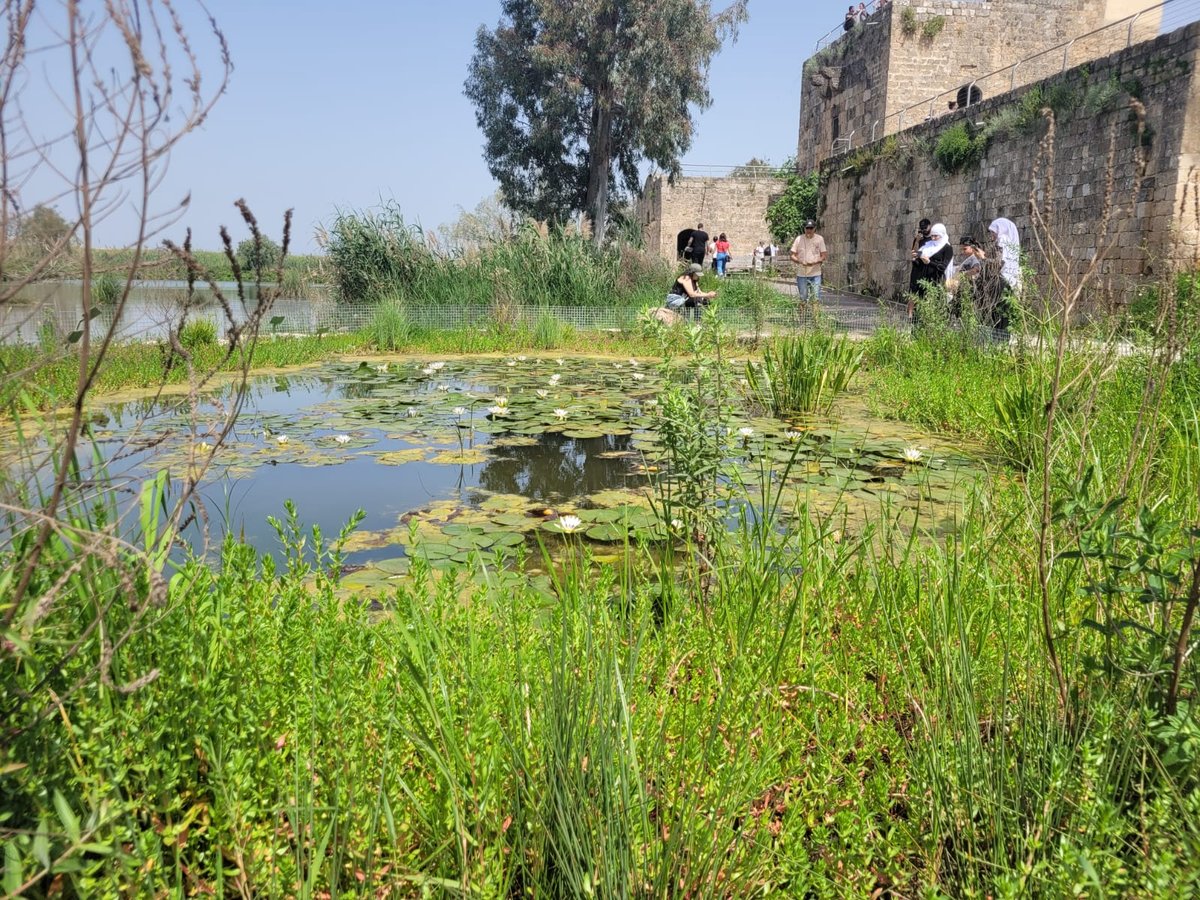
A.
pixel 837 123
pixel 969 95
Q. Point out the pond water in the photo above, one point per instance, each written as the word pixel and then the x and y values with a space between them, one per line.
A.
pixel 151 306
pixel 480 455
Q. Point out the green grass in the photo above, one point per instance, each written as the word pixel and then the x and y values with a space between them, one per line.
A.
pixel 778 708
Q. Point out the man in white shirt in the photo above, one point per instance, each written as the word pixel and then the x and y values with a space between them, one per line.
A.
pixel 808 252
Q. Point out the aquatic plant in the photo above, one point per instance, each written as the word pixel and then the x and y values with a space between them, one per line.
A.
pixel 390 328
pixel 803 374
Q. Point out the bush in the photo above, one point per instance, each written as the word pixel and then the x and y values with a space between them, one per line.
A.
pixel 105 290
pixel 258 258
pixel 390 328
pixel 804 374
pixel 933 27
pixel 198 333
pixel 798 203
pixel 959 147
pixel 373 254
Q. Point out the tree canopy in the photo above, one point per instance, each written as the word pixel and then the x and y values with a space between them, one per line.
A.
pixel 571 96
pixel 794 206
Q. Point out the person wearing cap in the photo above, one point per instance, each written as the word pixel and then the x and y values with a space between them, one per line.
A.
pixel 808 252
pixel 685 293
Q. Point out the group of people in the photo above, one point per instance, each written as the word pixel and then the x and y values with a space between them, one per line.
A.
pixel 699 245
pixel 988 275
pixel 860 13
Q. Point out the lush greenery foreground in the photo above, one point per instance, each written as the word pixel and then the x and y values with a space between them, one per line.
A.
pixel 790 652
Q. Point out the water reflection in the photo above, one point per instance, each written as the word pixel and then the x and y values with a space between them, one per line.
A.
pixel 558 468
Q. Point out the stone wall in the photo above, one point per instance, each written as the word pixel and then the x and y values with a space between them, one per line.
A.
pixel 874 196
pixel 866 77
pixel 736 206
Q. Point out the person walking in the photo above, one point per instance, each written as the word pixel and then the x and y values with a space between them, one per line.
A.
pixel 808 253
pixel 760 253
pixel 721 257
pixel 699 244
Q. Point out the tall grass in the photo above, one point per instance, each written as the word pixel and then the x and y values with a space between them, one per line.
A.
pixel 389 328
pixel 804 373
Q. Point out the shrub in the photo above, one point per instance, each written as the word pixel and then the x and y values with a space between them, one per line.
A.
pixel 959 147
pixel 373 253
pixel 198 333
pixel 798 202
pixel 908 21
pixel 933 27
pixel 258 257
pixel 390 328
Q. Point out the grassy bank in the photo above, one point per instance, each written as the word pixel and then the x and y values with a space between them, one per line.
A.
pixel 781 708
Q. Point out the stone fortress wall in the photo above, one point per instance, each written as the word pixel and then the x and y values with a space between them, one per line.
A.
pixel 854 89
pixel 873 196
pixel 736 206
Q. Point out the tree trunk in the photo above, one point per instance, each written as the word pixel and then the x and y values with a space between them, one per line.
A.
pixel 599 163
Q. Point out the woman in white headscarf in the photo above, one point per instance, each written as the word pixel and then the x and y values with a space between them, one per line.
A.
pixel 929 263
pixel 1001 284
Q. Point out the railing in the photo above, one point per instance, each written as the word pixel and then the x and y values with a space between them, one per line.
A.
pixel 1174 14
pixel 871 8
pixel 693 170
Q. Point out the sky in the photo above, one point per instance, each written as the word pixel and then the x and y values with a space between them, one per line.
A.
pixel 341 106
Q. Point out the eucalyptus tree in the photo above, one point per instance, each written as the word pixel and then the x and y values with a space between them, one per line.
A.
pixel 570 95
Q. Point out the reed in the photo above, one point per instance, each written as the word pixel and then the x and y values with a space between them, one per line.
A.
pixel 803 374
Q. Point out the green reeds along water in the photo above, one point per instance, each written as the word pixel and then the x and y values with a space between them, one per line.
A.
pixel 804 373
pixel 782 706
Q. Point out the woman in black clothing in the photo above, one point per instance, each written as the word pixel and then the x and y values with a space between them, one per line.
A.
pixel 685 291
pixel 929 263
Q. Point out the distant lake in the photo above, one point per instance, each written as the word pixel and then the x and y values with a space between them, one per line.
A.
pixel 149 309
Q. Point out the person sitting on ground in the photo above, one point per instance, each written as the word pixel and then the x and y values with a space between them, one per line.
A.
pixel 685 293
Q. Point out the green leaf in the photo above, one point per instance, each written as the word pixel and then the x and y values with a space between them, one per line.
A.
pixel 70 822
pixel 13 874
pixel 74 336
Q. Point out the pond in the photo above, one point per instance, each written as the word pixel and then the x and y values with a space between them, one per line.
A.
pixel 454 457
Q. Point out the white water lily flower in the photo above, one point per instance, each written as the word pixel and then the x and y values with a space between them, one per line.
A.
pixel 382 367
pixel 560 413
pixel 560 361
pixel 511 362
pixel 793 436
pixel 204 447
pixel 638 376
pixel 428 371
pixel 282 439
pixel 459 411
pixel 522 358
pixel 555 379
pixel 498 410
pixel 342 438
pixel 618 366
pixel 437 365
pixel 444 388
pixel 501 401
pixel 745 431
pixel 412 412
pixel 912 454
pixel 633 363
pixel 569 524
pixel 676 524
pixel 542 393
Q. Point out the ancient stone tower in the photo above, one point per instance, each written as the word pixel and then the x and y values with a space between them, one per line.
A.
pixel 869 82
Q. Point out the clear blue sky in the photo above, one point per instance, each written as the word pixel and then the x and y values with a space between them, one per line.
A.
pixel 338 105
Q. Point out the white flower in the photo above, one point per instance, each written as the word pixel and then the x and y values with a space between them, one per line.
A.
pixel 618 366
pixel 204 447
pixel 676 524
pixel 443 387
pixel 498 410
pixel 633 363
pixel 542 392
pixel 638 376
pixel 912 454
pixel 428 370
pixel 511 362
pixel 745 431
pixel 652 402
pixel 522 358
pixel 569 524
pixel 501 401
pixel 560 413
pixel 459 411
pixel 382 367
pixel 282 439
pixel 342 438
pixel 555 379
pixel 437 365
pixel 793 436
pixel 560 361
pixel 412 412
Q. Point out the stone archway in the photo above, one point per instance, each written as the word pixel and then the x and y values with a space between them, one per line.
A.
pixel 681 240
